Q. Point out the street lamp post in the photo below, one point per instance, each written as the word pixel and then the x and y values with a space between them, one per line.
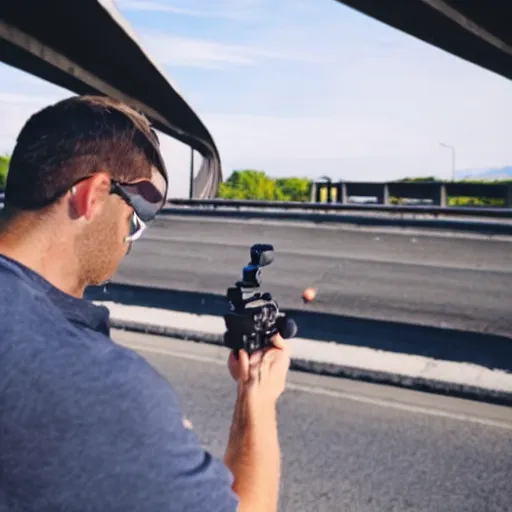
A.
pixel 453 157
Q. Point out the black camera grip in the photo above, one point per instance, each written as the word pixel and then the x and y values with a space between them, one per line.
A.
pixel 240 332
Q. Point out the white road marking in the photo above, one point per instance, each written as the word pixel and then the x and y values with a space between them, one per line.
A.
pixel 401 406
pixel 315 390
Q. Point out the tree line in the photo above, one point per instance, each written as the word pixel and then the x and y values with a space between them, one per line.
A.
pixel 252 184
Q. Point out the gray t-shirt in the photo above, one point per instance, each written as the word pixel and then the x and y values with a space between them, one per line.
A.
pixel 85 424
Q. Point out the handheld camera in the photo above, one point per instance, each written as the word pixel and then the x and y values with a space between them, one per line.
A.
pixel 254 316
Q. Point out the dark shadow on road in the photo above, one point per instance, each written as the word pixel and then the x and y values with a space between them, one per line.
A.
pixel 489 350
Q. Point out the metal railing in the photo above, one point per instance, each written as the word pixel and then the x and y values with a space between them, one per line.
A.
pixel 455 211
pixel 435 192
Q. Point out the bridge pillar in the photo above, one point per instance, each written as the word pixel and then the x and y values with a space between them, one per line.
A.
pixel 343 198
pixel 440 198
pixel 313 196
pixel 383 196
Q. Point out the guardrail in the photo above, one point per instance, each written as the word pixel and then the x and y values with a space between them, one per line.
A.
pixel 436 211
pixel 452 211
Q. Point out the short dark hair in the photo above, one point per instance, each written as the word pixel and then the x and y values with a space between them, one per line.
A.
pixel 74 139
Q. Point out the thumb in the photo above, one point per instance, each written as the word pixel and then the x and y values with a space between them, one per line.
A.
pixel 278 341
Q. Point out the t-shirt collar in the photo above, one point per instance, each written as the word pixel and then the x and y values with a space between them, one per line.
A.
pixel 76 310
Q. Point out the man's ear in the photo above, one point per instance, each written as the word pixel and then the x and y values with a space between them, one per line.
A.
pixel 89 195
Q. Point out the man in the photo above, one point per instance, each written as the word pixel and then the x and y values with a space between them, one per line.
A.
pixel 85 424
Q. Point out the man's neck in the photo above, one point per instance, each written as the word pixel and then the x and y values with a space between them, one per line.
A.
pixel 42 251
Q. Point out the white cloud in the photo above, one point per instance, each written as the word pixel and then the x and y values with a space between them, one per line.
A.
pixel 236 10
pixel 161 7
pixel 193 52
pixel 15 109
pixel 181 51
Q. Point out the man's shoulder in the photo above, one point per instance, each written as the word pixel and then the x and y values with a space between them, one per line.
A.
pixel 28 318
pixel 38 338
pixel 17 292
pixel 23 307
pixel 46 338
pixel 12 282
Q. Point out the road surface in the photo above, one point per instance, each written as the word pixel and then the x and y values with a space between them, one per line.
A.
pixel 447 281
pixel 354 447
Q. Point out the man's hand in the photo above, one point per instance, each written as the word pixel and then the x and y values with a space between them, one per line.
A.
pixel 263 372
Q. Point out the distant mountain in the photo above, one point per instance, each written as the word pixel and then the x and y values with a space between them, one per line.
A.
pixel 486 174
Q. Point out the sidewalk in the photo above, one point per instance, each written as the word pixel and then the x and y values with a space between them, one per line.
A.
pixel 337 359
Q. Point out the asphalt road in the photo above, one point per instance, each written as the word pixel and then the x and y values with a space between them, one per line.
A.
pixel 354 447
pixel 456 281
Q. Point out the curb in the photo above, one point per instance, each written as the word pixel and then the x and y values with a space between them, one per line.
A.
pixel 335 370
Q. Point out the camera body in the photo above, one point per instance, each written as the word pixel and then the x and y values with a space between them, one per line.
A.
pixel 254 317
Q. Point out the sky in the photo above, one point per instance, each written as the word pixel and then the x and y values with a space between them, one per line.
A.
pixel 305 88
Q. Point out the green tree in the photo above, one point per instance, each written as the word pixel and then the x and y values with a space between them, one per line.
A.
pixel 421 179
pixel 294 189
pixel 248 184
pixel 4 167
pixel 251 184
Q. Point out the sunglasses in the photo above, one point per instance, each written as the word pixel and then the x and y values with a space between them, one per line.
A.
pixel 146 197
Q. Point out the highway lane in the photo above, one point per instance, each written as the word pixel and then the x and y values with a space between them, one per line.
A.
pixel 443 280
pixel 354 447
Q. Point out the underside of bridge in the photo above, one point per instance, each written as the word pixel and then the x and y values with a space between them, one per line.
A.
pixel 475 30
pixel 86 46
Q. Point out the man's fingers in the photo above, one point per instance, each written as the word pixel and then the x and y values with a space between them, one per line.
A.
pixel 254 364
pixel 255 358
pixel 243 360
pixel 267 362
pixel 258 364
pixel 233 366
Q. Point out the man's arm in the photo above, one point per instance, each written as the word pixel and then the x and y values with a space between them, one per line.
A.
pixel 253 453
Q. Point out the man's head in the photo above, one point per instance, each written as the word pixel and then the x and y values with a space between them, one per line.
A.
pixel 90 168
